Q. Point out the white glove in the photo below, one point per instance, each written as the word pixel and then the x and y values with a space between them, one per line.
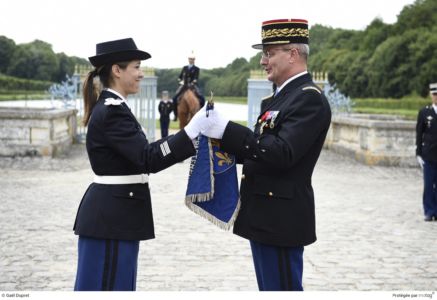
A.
pixel 420 161
pixel 198 123
pixel 218 123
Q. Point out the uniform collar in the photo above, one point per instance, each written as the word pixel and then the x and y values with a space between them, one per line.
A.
pixel 115 93
pixel 278 89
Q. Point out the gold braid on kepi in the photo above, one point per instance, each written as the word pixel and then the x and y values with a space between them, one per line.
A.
pixel 283 31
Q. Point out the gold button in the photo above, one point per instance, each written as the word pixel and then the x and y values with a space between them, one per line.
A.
pixel 247 146
pixel 270 194
pixel 131 194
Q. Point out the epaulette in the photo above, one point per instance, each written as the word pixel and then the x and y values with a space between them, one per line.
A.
pixel 311 88
pixel 267 97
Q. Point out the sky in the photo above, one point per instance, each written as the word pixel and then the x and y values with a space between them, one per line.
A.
pixel 216 31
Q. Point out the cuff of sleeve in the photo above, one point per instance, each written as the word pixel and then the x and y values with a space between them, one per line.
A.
pixel 190 133
pixel 234 137
pixel 181 145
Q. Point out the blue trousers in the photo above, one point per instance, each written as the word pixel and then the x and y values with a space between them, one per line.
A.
pixel 430 188
pixel 278 268
pixel 164 124
pixel 106 265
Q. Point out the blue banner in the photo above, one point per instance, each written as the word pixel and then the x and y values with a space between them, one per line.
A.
pixel 212 190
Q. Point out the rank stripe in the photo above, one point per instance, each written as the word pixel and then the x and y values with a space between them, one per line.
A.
pixel 166 147
pixel 164 153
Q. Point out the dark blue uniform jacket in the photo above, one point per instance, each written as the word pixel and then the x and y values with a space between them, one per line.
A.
pixel 426 134
pixel 277 199
pixel 117 145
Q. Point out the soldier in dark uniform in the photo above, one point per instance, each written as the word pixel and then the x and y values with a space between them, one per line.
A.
pixel 165 107
pixel 188 79
pixel 277 210
pixel 116 213
pixel 426 152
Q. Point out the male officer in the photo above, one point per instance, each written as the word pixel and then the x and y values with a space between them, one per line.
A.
pixel 165 107
pixel 277 210
pixel 426 152
pixel 188 79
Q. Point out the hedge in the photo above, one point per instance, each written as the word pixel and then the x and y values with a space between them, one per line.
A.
pixel 9 83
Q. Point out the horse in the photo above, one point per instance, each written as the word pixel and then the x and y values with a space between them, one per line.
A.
pixel 188 105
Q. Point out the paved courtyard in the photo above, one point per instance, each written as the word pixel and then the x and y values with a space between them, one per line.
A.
pixel 371 233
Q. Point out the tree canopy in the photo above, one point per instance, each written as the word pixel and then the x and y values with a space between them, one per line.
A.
pixel 383 60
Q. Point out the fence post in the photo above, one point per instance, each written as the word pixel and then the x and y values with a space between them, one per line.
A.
pixel 257 88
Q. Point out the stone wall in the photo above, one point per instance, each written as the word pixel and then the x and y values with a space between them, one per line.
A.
pixel 374 139
pixel 36 131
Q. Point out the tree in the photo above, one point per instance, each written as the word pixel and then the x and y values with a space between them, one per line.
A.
pixel 35 60
pixel 66 67
pixel 7 48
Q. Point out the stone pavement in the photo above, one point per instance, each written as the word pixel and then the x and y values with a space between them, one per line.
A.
pixel 371 233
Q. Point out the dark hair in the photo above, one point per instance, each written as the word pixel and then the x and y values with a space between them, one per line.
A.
pixel 91 92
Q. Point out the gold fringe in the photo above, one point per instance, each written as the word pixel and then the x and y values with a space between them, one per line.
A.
pixel 219 223
pixel 211 169
pixel 193 198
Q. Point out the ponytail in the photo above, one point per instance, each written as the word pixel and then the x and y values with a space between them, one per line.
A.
pixel 90 95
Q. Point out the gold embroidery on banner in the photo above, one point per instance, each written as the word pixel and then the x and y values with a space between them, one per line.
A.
pixel 223 158
pixel 284 32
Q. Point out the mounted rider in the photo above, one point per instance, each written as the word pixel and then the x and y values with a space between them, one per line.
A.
pixel 188 78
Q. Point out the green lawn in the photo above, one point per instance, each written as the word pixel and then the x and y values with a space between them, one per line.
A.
pixel 232 100
pixel 175 125
pixel 7 97
pixel 406 107
pixel 405 113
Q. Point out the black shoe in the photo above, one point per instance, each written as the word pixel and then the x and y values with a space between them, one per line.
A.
pixel 429 218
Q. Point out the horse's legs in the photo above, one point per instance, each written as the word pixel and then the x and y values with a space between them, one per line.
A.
pixel 182 114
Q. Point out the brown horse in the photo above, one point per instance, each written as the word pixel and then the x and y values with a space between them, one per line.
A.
pixel 188 105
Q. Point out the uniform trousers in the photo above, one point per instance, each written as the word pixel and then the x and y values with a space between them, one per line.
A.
pixel 430 188
pixel 164 123
pixel 106 265
pixel 278 268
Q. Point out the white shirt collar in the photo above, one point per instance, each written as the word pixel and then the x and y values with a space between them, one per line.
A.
pixel 116 93
pixel 435 108
pixel 279 88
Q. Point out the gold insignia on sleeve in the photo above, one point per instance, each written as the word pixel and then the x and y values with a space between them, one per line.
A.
pixel 311 88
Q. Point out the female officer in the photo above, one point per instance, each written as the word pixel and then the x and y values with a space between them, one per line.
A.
pixel 115 212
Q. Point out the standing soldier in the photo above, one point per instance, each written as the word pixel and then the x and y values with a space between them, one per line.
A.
pixel 165 107
pixel 426 152
pixel 115 213
pixel 277 213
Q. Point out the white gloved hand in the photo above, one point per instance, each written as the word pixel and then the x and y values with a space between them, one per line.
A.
pixel 198 123
pixel 218 123
pixel 420 161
